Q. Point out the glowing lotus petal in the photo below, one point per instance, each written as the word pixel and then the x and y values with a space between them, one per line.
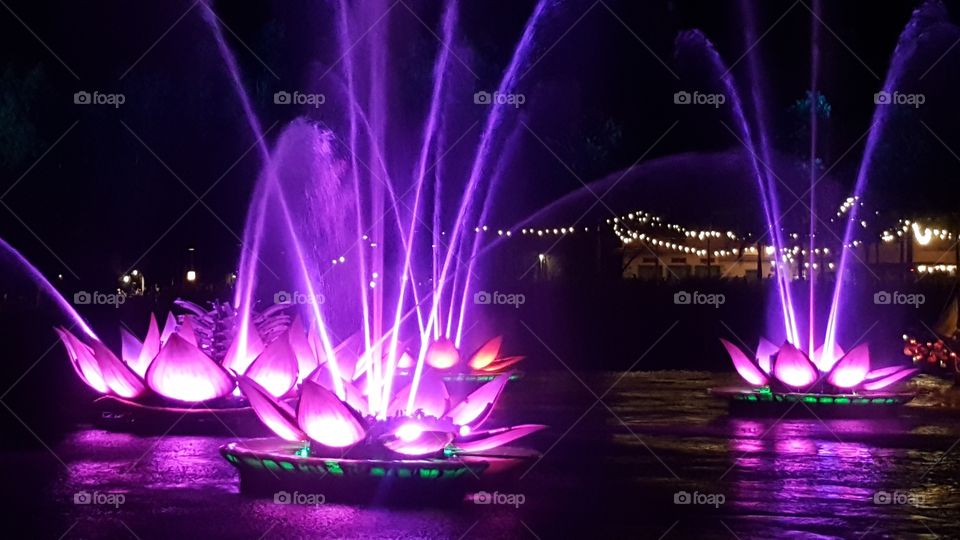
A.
pixel 182 372
pixel 185 331
pixel 792 368
pixel 879 384
pixel 306 360
pixel 502 364
pixel 745 367
pixel 169 327
pixel 486 440
pixel 486 354
pixel 883 372
pixel 406 361
pixel 432 396
pixel 239 356
pixel 353 395
pixel 276 367
pixel 276 415
pixel 826 363
pixel 851 369
pixel 118 377
pixel 429 442
pixel 130 347
pixel 150 349
pixel 476 407
pixel 325 419
pixel 82 360
pixel 442 354
pixel 765 352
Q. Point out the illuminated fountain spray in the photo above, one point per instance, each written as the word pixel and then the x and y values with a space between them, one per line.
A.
pixel 800 365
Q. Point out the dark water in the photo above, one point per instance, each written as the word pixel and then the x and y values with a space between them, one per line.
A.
pixel 611 468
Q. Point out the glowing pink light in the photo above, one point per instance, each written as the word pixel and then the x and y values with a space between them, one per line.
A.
pixel 765 352
pixel 488 440
pixel 276 415
pixel 429 442
pixel 475 408
pixel 745 367
pixel 276 367
pixel 486 354
pixel 410 431
pixel 118 377
pixel 851 369
pixel 82 360
pixel 442 354
pixel 879 384
pixel 184 373
pixel 792 367
pixel 325 419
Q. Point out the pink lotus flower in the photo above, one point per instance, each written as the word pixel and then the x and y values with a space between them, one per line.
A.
pixel 794 370
pixel 435 425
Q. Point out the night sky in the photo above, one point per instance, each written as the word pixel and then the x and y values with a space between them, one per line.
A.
pixel 85 196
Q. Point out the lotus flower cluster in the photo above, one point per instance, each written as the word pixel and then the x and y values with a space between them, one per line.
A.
pixel 791 369
pixel 434 425
pixel 199 360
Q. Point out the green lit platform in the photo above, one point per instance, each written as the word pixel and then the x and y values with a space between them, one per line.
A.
pixel 269 466
pixel 764 401
pixel 230 417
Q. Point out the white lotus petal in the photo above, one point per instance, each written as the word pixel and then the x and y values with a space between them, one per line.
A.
pixel 276 367
pixel 487 440
pixel 276 415
pixel 119 378
pixel 184 373
pixel 325 419
pixel 476 407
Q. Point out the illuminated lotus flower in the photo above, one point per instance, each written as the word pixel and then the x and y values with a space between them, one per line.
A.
pixel 176 363
pixel 794 370
pixel 442 354
pixel 183 373
pixel 431 427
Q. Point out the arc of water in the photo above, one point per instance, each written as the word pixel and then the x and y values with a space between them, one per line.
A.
pixel 492 122
pixel 906 46
pixel 439 71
